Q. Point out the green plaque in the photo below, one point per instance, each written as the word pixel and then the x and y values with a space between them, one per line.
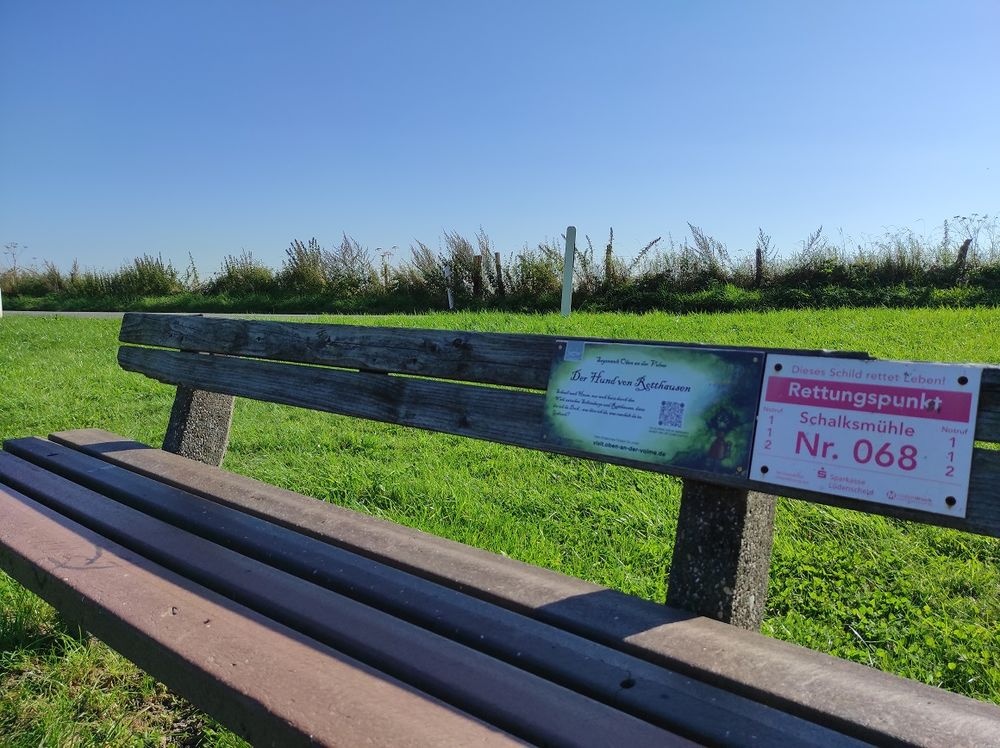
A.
pixel 678 406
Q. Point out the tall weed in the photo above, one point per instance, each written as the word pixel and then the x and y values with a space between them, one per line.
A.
pixel 898 267
pixel 242 275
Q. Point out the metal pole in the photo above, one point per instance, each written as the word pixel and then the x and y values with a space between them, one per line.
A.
pixel 567 291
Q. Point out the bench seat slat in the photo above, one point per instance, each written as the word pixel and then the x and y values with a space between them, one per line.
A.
pixel 248 671
pixel 849 697
pixel 493 691
pixel 652 693
pixel 504 416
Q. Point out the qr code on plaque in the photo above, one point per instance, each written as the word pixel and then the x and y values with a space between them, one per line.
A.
pixel 671 414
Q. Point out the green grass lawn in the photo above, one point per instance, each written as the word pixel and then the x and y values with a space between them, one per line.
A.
pixel 914 600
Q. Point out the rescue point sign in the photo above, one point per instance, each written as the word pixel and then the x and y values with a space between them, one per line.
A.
pixel 890 432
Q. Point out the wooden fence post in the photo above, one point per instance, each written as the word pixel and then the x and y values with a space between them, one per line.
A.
pixel 501 288
pixel 722 554
pixel 477 276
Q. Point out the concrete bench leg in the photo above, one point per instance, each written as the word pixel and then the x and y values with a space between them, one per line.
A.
pixel 722 554
pixel 199 425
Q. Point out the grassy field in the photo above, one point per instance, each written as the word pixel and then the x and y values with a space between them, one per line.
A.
pixel 917 601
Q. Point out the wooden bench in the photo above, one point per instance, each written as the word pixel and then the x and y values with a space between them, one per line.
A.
pixel 294 621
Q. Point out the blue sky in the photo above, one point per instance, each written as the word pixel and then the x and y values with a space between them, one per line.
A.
pixel 215 126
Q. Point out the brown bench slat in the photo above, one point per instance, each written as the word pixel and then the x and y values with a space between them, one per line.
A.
pixel 498 693
pixel 988 422
pixel 652 693
pixel 516 360
pixel 248 671
pixel 463 409
pixel 851 698
pixel 491 358
pixel 504 416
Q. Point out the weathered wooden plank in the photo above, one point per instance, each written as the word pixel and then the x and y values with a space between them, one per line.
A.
pixel 504 416
pixel 491 358
pixel 516 360
pixel 494 691
pixel 854 699
pixel 263 680
pixel 652 693
pixel 988 419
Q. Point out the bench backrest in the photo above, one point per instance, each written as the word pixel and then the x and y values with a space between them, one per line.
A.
pixel 442 390
pixel 481 385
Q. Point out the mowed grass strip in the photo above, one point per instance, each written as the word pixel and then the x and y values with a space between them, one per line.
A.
pixel 918 601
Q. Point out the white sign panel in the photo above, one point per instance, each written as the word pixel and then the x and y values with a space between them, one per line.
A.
pixel 891 432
